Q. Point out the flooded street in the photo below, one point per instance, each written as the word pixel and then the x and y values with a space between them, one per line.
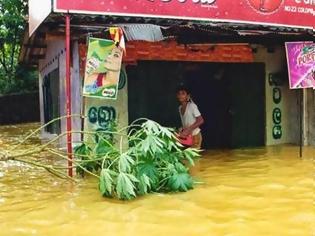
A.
pixel 267 191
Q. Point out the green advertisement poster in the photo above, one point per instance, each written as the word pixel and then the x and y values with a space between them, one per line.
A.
pixel 102 69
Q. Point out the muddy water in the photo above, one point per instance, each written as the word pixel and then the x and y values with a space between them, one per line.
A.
pixel 268 191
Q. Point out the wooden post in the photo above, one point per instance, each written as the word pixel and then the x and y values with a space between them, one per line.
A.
pixel 301 110
pixel 68 97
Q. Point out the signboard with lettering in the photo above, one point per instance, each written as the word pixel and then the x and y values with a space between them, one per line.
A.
pixel 301 64
pixel 295 13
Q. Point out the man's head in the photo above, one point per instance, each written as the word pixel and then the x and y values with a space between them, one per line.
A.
pixel 183 94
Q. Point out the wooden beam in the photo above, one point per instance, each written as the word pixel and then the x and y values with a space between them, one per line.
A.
pixel 37 57
pixel 35 45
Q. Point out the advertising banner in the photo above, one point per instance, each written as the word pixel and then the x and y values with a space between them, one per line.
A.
pixel 102 70
pixel 301 64
pixel 295 13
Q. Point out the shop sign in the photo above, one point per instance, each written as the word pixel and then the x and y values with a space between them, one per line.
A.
pixel 301 64
pixel 295 13
pixel 102 70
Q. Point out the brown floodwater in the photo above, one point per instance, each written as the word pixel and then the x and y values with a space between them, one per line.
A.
pixel 265 191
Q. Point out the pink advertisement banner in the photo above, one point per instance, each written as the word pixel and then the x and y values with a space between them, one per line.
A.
pixel 301 64
pixel 295 13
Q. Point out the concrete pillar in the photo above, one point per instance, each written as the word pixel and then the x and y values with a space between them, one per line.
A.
pixel 275 62
pixel 100 112
pixel 309 117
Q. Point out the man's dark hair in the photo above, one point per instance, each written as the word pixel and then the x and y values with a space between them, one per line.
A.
pixel 183 87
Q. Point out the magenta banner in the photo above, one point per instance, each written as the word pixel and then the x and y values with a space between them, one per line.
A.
pixel 294 13
pixel 301 64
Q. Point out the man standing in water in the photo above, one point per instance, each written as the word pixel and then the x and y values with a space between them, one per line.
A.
pixel 190 116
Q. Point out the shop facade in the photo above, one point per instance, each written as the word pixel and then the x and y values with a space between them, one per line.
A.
pixel 234 64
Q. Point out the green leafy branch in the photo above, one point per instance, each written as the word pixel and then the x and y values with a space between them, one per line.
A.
pixel 153 161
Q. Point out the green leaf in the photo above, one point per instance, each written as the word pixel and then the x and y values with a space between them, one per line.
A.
pixel 166 132
pixel 125 188
pixel 169 157
pixel 148 169
pixel 173 145
pixel 144 184
pixel 152 144
pixel 190 154
pixel 102 186
pixel 83 154
pixel 180 168
pixel 171 169
pixel 190 160
pixel 151 127
pixel 106 182
pixel 180 182
pixel 82 150
pixel 102 148
pixel 125 162
pixel 79 171
pixel 132 178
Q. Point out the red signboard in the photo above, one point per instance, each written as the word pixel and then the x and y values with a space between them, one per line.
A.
pixel 294 13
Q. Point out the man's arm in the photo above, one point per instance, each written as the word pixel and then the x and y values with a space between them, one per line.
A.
pixel 187 131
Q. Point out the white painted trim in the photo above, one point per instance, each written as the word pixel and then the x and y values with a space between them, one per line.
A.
pixel 39 10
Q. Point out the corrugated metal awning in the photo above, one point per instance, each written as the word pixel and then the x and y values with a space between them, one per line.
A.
pixel 144 32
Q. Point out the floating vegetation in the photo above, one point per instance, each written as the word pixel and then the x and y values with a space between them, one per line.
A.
pixel 152 161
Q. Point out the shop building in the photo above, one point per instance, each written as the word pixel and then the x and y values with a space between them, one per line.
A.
pixel 235 65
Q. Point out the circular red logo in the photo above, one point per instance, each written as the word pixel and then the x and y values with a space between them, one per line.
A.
pixel 266 6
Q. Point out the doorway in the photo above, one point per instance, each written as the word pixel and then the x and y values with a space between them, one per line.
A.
pixel 230 96
pixel 50 89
